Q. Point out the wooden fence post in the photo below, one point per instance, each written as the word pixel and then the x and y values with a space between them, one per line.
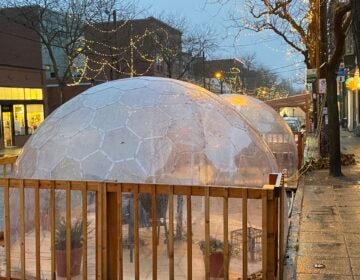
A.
pixel 269 227
pixel 112 213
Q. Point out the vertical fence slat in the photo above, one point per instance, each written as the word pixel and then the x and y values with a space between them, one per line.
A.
pixel 37 229
pixel 84 228
pixel 98 231
pixel 226 233
pixel 68 231
pixel 7 228
pixel 136 231
pixel 281 227
pixel 104 226
pixel 154 232
pixel 22 229
pixel 207 233
pixel 189 236
pixel 119 234
pixel 112 220
pixel 264 235
pixel 4 170
pixel 52 228
pixel 244 233
pixel 171 233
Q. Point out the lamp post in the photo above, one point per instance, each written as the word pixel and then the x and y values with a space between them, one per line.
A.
pixel 219 77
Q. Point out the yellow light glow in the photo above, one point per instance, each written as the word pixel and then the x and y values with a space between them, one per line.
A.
pixel 218 75
pixel 353 83
pixel 20 93
pixel 238 101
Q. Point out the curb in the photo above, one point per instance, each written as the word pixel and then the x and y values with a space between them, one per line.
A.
pixel 293 237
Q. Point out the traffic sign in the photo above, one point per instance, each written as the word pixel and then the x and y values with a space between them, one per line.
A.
pixel 341 72
pixel 311 75
pixel 322 85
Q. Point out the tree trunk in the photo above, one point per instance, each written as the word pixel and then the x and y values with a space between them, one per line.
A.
pixel 333 123
pixel 355 10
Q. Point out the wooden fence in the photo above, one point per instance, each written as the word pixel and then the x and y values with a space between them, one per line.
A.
pixel 7 163
pixel 108 221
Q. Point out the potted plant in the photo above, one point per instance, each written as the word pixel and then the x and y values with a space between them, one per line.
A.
pixel 216 256
pixel 76 247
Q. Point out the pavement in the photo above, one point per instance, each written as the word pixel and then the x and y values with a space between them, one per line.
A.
pixel 324 241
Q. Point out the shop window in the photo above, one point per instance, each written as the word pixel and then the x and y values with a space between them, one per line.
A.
pixel 7 93
pixel 33 94
pixel 19 119
pixel 35 116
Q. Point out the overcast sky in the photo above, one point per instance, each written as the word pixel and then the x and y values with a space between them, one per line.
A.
pixel 269 49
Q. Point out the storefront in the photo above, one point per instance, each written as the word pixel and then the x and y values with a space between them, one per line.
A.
pixel 21 112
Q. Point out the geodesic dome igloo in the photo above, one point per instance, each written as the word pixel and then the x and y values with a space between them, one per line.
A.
pixel 152 130
pixel 146 130
pixel 271 126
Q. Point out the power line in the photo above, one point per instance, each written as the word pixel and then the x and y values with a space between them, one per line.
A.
pixel 285 66
pixel 250 44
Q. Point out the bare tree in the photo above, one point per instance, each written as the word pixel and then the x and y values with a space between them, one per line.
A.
pixel 355 10
pixel 292 20
pixel 249 60
pixel 297 23
pixel 194 43
pixel 60 25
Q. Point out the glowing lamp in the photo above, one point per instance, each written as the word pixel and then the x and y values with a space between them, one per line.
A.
pixel 353 83
pixel 218 75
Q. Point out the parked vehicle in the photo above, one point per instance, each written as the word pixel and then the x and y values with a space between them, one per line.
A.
pixel 293 123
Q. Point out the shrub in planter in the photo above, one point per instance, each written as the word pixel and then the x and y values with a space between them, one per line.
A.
pixel 76 247
pixel 216 256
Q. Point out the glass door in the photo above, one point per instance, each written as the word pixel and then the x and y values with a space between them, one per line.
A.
pixel 8 129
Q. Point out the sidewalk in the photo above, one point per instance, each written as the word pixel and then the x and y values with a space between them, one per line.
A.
pixel 329 229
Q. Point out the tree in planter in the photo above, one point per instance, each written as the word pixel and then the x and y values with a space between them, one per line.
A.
pixel 76 237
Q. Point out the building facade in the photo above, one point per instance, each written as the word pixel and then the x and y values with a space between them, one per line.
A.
pixel 29 90
pixel 22 87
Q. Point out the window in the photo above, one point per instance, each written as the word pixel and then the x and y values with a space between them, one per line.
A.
pixel 19 119
pixel 33 94
pixel 35 116
pixel 20 93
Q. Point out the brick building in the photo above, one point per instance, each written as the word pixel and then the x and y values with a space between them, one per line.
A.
pixel 22 84
pixel 28 88
pixel 133 48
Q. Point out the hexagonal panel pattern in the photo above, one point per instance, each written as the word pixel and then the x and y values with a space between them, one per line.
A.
pixel 148 129
pixel 271 127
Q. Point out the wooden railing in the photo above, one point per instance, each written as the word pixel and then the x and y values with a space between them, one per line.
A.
pixel 7 163
pixel 108 230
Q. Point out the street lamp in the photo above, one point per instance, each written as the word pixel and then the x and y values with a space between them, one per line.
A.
pixel 219 76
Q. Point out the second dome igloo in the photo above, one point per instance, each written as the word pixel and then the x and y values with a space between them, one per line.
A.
pixel 147 130
pixel 271 126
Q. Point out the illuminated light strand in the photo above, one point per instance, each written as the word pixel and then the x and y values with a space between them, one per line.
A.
pixel 118 27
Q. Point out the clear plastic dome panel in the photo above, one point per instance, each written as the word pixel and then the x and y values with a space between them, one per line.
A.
pixel 147 130
pixel 271 127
